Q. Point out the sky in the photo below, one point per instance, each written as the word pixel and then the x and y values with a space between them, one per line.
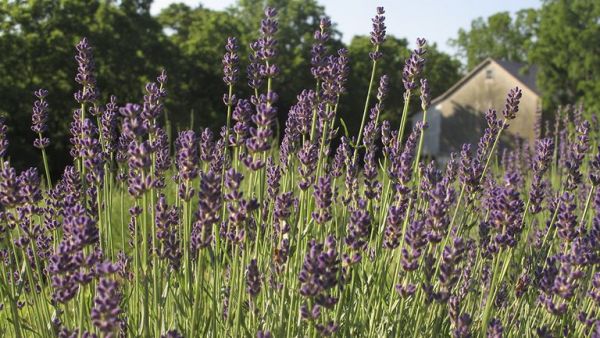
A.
pixel 436 20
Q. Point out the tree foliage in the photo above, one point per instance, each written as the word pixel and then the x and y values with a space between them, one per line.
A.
pixel 567 52
pixel 131 46
pixel 196 85
pixel 499 36
pixel 37 40
pixel 562 39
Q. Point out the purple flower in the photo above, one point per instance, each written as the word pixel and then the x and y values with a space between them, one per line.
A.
pixel 359 227
pixel 337 166
pixel 378 33
pixel 469 170
pixel 39 118
pixel 415 239
pixel 133 126
pixel 91 151
pixel 566 222
pixel 260 136
pixel 9 186
pixel 281 212
pixel 108 123
pixel 267 41
pixel 255 79
pixel 238 209
pixel 253 279
pixel 242 114
pixel 394 221
pixel 383 89
pixel 334 75
pixel 3 138
pixel 29 186
pixel 263 334
pixel 575 156
pixel 152 106
pixel 463 326
pixel 544 151
pixel 401 162
pixel 372 185
pixel 437 219
pixel 594 168
pixel 300 115
pixel 308 160
pixel 172 334
pixel 167 221
pixel 162 150
pixel 318 50
pixel 506 211
pixel 323 196
pixel 449 268
pixel 318 276
pixel 209 211
pixel 413 66
pixel 425 95
pixel 230 62
pixel 207 145
pixel 187 162
pixel 273 177
pixel 106 311
pixel 594 293
pixel 85 73
pixel 511 107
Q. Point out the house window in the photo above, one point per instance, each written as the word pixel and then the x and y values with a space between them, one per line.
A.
pixel 488 74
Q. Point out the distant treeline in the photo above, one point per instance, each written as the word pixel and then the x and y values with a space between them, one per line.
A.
pixel 132 46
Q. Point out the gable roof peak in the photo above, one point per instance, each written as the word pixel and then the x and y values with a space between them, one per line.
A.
pixel 521 71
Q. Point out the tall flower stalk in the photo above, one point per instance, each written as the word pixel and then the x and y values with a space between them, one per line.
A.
pixel 39 125
pixel 377 39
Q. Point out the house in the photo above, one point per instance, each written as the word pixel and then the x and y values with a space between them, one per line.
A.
pixel 457 116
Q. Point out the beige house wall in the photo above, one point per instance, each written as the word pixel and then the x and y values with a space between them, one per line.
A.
pixel 459 117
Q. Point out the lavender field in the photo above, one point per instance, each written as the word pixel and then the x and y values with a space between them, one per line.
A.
pixel 262 229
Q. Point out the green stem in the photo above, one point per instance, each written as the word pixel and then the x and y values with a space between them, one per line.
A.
pixel 366 108
pixel 46 167
pixel 407 96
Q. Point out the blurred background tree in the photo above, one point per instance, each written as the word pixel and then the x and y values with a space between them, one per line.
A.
pixel 562 39
pixel 37 40
pixel 131 46
pixel 500 36
pixel 567 52
pixel 195 77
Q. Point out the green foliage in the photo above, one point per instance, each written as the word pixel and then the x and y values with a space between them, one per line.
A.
pixel 499 36
pixel 567 51
pixel 298 20
pixel 199 37
pixel 37 40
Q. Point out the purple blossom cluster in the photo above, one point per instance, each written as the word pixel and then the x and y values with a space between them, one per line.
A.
pixel 39 118
pixel 318 277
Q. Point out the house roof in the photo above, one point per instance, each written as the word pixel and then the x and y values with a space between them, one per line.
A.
pixel 520 71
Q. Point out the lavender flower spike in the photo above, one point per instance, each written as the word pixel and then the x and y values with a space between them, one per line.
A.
pixel 413 66
pixel 85 73
pixel 3 138
pixel 39 118
pixel 106 310
pixel 378 33
pixel 512 103
pixel 230 62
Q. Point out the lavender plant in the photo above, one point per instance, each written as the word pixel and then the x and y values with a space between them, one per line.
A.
pixel 233 233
